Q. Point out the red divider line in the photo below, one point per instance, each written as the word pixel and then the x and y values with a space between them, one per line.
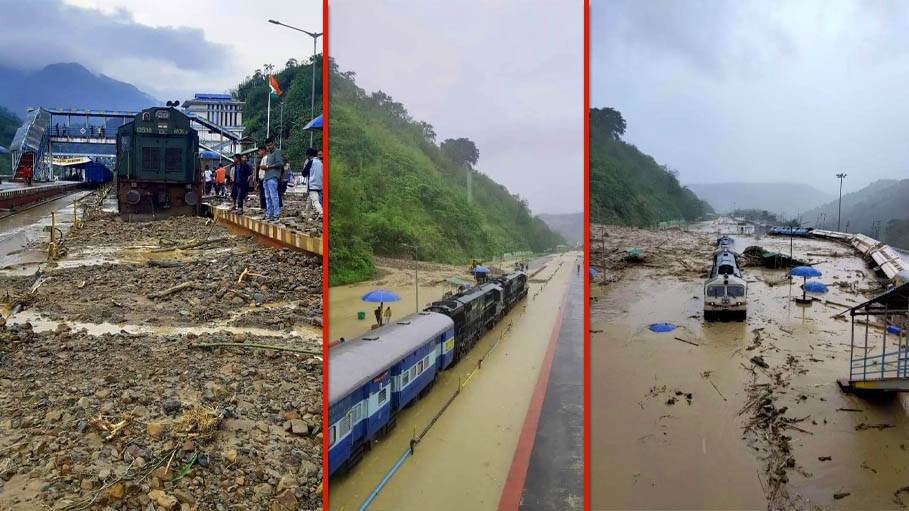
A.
pixel 514 483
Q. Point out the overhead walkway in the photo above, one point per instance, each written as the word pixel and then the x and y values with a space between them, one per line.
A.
pixel 55 132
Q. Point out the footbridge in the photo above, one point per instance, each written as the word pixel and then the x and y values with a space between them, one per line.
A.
pixel 49 133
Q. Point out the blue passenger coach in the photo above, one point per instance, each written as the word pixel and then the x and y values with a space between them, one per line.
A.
pixel 371 378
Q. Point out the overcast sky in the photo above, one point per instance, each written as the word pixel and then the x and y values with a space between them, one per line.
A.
pixel 506 74
pixel 758 90
pixel 167 48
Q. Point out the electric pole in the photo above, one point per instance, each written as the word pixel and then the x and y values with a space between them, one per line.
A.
pixel 839 213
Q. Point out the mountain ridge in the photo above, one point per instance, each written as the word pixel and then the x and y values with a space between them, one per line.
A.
pixel 68 85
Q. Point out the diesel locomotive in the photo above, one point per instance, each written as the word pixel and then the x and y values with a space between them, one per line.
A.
pixel 378 374
pixel 158 169
pixel 725 291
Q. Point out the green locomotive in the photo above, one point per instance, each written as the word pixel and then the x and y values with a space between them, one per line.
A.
pixel 158 168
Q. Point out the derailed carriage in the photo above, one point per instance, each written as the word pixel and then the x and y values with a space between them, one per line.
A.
pixel 375 376
pixel 158 170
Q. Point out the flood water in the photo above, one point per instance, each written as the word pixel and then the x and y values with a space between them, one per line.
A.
pixel 463 461
pixel 649 454
pixel 25 229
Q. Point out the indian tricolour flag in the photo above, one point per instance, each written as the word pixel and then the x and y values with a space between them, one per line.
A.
pixel 273 85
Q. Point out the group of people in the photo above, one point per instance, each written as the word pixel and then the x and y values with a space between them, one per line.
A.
pixel 272 177
pixel 383 316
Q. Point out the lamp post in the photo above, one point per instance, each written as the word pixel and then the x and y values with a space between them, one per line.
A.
pixel 416 277
pixel 315 36
pixel 839 212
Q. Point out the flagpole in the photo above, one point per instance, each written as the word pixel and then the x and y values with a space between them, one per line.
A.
pixel 268 115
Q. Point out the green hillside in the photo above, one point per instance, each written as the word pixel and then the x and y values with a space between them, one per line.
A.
pixel 628 187
pixel 295 81
pixel 392 187
pixel 9 123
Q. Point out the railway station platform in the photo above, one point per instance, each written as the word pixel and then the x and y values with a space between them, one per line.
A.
pixel 14 195
pixel 547 471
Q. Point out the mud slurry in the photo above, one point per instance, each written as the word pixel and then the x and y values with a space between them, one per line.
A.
pixel 766 425
pixel 128 411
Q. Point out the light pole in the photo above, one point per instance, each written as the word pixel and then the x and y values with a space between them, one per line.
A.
pixel 839 211
pixel 315 36
pixel 416 277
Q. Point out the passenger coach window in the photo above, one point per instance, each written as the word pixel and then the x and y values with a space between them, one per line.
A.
pixel 332 431
pixel 345 425
pixel 383 395
pixel 405 378
pixel 715 291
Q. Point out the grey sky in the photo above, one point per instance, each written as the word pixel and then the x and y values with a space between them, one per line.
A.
pixel 758 91
pixel 506 74
pixel 167 48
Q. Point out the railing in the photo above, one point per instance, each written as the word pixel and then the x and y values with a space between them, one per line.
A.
pixel 893 364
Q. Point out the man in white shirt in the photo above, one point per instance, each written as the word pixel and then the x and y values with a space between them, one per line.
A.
pixel 208 177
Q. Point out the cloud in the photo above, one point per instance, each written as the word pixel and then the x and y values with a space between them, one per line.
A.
pixel 506 74
pixel 757 91
pixel 48 31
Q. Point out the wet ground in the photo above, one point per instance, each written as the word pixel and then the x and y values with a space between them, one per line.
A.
pixel 699 424
pixel 463 462
pixel 109 398
pixel 25 230
pixel 294 214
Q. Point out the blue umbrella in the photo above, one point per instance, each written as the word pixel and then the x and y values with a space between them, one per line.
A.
pixel 661 327
pixel 315 124
pixel 209 155
pixel 592 272
pixel 815 287
pixel 804 271
pixel 893 329
pixel 3 150
pixel 380 295
pixel 480 269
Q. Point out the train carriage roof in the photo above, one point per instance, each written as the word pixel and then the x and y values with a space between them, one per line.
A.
pixel 355 362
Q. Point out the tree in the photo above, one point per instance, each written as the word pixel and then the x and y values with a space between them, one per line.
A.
pixel 610 119
pixel 461 150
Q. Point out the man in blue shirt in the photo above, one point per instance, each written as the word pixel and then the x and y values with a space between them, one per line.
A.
pixel 242 171
pixel 313 174
pixel 272 163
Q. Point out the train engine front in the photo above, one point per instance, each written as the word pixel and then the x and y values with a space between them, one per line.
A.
pixel 725 291
pixel 158 172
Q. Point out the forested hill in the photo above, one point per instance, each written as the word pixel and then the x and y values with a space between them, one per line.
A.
pixel 295 80
pixel 9 123
pixel 880 210
pixel 629 187
pixel 393 187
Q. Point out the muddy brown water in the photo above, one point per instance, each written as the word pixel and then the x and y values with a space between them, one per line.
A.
pixel 463 462
pixel 25 229
pixel 647 454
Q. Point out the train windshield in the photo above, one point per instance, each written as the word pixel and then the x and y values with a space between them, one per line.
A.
pixel 714 290
pixel 737 291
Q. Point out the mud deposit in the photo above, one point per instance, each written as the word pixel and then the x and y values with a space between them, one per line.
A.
pixel 732 415
pixel 113 422
pixel 107 399
pixel 137 273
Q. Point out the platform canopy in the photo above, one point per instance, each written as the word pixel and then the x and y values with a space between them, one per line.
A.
pixel 895 299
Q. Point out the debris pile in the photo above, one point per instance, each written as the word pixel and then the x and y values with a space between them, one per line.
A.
pixel 130 420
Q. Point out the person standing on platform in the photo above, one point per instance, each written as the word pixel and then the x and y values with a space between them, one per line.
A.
pixel 242 173
pixel 220 178
pixel 273 164
pixel 208 180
